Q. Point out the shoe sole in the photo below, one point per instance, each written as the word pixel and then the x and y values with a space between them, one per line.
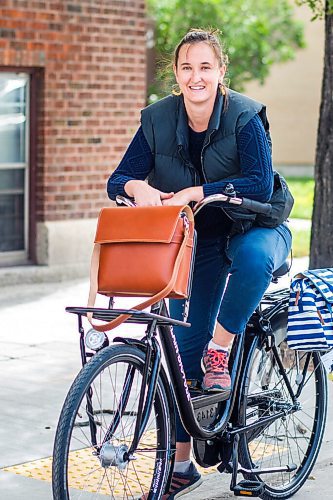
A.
pixel 216 389
pixel 191 487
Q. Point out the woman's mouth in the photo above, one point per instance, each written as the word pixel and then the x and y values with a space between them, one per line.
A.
pixel 197 87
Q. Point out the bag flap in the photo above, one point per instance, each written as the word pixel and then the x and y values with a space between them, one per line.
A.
pixel 322 279
pixel 146 224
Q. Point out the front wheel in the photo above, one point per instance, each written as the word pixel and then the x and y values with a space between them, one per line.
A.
pixel 96 427
pixel 295 438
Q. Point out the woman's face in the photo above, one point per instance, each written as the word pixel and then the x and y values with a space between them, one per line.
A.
pixel 198 73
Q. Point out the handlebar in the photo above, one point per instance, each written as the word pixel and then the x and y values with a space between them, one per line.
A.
pixel 252 205
pixel 122 200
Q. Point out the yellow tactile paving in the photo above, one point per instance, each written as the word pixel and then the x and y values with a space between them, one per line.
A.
pixel 258 450
pixel 86 473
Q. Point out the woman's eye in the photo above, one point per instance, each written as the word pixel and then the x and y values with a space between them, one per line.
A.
pixel 186 68
pixel 205 67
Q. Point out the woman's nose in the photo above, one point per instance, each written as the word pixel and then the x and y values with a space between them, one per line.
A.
pixel 196 76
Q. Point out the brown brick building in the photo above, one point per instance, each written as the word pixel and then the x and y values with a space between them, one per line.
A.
pixel 72 82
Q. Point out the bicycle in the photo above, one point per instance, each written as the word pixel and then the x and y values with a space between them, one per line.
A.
pixel 116 432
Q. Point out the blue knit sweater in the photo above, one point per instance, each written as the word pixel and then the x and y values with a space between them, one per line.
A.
pixel 255 182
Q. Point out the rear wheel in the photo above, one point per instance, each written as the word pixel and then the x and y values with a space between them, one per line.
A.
pixel 95 432
pixel 294 438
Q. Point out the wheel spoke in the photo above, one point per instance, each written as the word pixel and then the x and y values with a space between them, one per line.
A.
pixel 292 438
pixel 94 472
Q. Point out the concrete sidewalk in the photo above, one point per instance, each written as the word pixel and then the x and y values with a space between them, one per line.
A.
pixel 39 356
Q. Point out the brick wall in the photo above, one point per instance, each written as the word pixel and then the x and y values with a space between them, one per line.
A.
pixel 90 57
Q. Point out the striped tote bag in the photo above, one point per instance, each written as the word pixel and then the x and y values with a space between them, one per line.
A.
pixel 310 312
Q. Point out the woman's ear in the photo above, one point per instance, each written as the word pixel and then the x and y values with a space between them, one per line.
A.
pixel 223 70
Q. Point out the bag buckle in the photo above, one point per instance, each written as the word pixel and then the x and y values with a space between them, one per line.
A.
pixel 186 222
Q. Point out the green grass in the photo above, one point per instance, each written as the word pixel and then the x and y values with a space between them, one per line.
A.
pixel 302 189
pixel 301 242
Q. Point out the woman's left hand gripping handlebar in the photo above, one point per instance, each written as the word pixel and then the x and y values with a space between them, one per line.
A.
pixel 185 196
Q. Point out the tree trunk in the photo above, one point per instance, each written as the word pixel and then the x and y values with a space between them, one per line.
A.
pixel 321 253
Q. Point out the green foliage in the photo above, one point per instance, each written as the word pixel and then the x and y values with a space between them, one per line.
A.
pixel 318 7
pixel 302 189
pixel 256 34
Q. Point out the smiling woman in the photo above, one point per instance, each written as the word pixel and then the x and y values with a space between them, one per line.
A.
pixel 198 75
pixel 199 70
pixel 207 139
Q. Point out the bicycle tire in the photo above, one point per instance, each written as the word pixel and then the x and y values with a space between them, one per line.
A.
pixel 295 438
pixel 105 375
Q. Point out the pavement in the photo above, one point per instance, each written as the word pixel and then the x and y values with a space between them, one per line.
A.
pixel 39 357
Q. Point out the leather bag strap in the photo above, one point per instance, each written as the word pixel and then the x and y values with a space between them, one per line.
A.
pixel 152 300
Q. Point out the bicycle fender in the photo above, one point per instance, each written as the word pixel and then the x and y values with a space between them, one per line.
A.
pixel 129 341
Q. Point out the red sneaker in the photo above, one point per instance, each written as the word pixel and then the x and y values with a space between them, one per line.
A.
pixel 217 377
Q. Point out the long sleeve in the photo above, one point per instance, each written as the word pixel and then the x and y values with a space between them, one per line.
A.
pixel 136 164
pixel 256 180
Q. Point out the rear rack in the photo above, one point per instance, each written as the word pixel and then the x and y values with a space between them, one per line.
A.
pixel 275 302
pixel 141 317
pixel 271 297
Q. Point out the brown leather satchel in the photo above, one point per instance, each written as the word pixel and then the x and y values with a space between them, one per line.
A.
pixel 141 251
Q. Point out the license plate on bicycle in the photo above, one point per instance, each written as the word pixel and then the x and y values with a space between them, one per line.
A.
pixel 206 415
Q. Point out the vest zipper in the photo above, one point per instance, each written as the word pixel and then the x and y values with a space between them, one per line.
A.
pixel 202 155
pixel 205 178
pixel 189 165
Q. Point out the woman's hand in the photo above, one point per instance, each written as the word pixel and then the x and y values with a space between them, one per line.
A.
pixel 145 195
pixel 185 196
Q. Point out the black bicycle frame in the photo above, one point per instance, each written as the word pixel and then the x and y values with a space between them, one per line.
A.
pixel 187 405
pixel 240 354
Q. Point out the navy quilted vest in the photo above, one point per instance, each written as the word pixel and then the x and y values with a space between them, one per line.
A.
pixel 165 127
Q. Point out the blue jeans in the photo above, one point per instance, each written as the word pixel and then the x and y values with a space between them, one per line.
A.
pixel 249 260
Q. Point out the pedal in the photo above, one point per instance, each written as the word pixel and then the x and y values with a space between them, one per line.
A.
pixel 248 489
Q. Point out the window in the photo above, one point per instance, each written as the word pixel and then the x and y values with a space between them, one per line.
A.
pixel 14 154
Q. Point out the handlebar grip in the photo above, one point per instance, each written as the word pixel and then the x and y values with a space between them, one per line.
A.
pixel 257 206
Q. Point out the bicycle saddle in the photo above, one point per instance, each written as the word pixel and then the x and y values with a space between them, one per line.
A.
pixel 282 270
